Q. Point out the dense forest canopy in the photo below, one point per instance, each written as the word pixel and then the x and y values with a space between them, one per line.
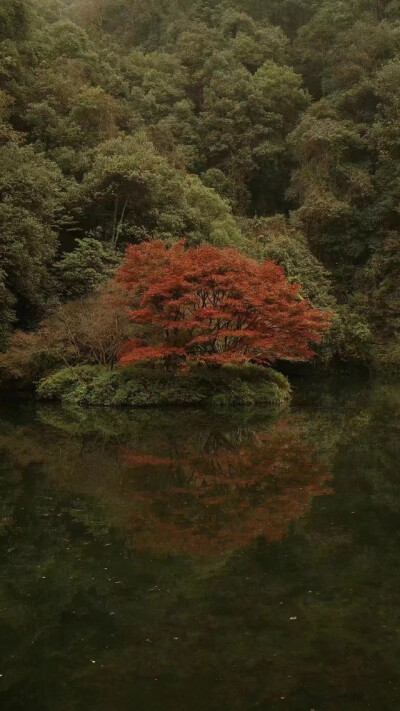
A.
pixel 271 126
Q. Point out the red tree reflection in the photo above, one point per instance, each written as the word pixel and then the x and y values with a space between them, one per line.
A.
pixel 222 498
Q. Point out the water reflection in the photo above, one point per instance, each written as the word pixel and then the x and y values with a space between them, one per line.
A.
pixel 273 585
pixel 220 491
pixel 181 483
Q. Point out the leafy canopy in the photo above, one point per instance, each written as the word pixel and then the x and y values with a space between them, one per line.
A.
pixel 214 306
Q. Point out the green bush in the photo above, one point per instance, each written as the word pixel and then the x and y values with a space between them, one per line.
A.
pixel 143 387
pixel 388 358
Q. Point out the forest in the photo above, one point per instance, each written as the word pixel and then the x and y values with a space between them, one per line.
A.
pixel 266 129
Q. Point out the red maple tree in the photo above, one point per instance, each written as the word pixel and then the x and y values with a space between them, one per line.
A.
pixel 215 306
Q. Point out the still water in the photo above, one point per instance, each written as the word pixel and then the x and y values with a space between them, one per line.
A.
pixel 199 561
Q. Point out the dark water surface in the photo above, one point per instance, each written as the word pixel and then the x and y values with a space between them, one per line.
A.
pixel 191 561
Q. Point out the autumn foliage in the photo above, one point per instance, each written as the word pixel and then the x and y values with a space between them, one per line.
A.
pixel 215 306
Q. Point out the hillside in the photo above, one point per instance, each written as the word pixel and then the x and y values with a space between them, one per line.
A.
pixel 271 126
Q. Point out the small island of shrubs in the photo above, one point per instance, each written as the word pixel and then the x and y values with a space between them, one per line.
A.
pixel 177 325
pixel 143 387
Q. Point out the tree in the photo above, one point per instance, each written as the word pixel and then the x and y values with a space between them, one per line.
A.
pixel 13 19
pixel 31 200
pixel 89 265
pixel 7 313
pixel 7 133
pixel 214 306
pixel 243 126
pixel 280 242
pixel 333 184
pixel 90 330
pixel 131 190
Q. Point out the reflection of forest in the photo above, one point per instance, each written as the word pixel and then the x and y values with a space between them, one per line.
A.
pixel 312 617
pixel 200 486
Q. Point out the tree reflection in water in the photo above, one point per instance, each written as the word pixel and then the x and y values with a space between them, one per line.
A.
pixel 94 614
pixel 191 483
pixel 219 496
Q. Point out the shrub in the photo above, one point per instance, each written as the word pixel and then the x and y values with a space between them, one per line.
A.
pixel 144 387
pixel 89 331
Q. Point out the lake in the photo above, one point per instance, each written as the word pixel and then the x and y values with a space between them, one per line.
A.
pixel 203 561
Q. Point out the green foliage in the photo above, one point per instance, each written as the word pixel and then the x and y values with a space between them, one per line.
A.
pixel 13 19
pixel 278 240
pixel 7 313
pixel 136 192
pixel 243 126
pixel 140 387
pixel 7 133
pixel 90 264
pixel 349 338
pixel 121 119
pixel 30 197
